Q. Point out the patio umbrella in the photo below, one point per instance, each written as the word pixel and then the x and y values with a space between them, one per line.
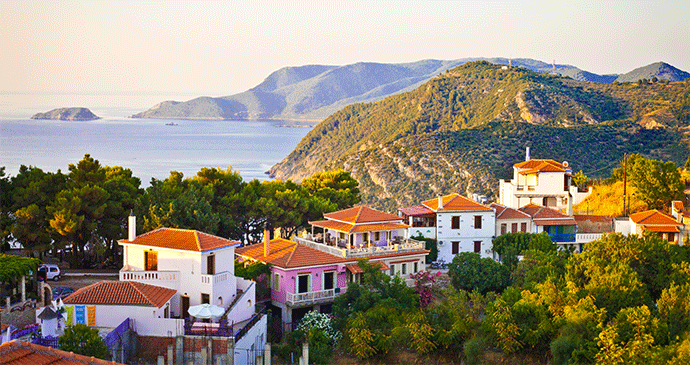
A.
pixel 206 311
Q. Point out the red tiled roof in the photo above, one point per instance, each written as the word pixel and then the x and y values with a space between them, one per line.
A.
pixel 18 352
pixel 3 327
pixel 361 214
pixel 592 218
pixel 453 203
pixel 540 163
pixel 180 239
pixel 665 229
pixel 288 254
pixel 355 269
pixel 653 217
pixel 503 212
pixel 416 210
pixel 352 228
pixel 121 293
pixel 545 216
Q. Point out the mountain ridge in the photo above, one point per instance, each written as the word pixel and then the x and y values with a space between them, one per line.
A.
pixel 313 92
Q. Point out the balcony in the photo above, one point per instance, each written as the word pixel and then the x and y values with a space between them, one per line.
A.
pixel 310 298
pixel 562 237
pixel 382 248
pixel 210 282
pixel 168 279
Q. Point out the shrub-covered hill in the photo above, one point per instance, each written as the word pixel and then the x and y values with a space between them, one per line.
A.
pixel 464 129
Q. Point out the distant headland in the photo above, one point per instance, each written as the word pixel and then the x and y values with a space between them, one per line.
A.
pixel 81 114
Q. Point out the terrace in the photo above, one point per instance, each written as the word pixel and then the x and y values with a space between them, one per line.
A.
pixel 343 248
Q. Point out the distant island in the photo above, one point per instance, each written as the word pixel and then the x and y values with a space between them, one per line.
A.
pixel 82 114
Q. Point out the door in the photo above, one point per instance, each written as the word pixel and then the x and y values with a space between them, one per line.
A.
pixel 185 306
pixel 151 260
pixel 303 283
pixel 211 264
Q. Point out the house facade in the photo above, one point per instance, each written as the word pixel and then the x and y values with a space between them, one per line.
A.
pixel 543 182
pixel 682 216
pixel 509 220
pixel 461 224
pixel 660 223
pixel 195 264
pixel 561 228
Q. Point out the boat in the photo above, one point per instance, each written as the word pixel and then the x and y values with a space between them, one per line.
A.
pixel 171 123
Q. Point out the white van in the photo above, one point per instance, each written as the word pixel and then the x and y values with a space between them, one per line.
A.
pixel 52 272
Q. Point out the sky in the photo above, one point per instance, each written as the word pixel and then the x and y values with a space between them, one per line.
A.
pixel 218 48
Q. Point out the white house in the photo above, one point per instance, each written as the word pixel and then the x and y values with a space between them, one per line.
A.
pixel 663 224
pixel 108 303
pixel 543 182
pixel 561 228
pixel 198 266
pixel 509 220
pixel 461 224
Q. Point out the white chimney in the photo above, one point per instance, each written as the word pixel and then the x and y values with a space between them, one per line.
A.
pixel 440 202
pixel 132 227
pixel 527 154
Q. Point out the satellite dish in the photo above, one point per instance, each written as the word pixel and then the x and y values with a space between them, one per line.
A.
pixel 565 163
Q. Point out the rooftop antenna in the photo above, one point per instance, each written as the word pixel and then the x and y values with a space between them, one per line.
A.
pixel 554 67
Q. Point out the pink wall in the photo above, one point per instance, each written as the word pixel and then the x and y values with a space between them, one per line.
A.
pixel 287 283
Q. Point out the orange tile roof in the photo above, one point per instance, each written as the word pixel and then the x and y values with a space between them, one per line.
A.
pixel 539 163
pixel 453 203
pixel 355 269
pixel 653 217
pixel 503 212
pixel 379 227
pixel 545 216
pixel 361 214
pixel 665 229
pixel 121 293
pixel 288 254
pixel 18 352
pixel 180 239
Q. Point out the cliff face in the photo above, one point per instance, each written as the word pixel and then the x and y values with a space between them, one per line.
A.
pixel 81 114
pixel 463 130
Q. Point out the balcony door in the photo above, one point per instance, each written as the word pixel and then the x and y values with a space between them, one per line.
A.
pixel 151 260
pixel 211 264
pixel 328 280
pixel 303 283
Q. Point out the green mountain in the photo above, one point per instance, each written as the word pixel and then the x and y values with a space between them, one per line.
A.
pixel 660 70
pixel 67 114
pixel 464 129
pixel 311 93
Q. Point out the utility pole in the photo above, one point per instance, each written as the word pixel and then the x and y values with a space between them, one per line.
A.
pixel 625 184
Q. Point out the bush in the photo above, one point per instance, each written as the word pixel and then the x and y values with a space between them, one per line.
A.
pixel 474 349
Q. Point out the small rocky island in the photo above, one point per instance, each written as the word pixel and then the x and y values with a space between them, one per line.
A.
pixel 81 114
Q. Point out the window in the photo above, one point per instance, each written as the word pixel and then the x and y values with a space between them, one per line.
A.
pixel 513 227
pixel 456 247
pixel 404 269
pixel 276 282
pixel 303 283
pixel 377 236
pixel 365 237
pixel 504 228
pixel 523 227
pixel 151 260
pixel 477 246
pixel 211 264
pixel 328 280
pixel 477 221
pixel 455 222
pixel 205 298
pixel 392 270
pixel 416 267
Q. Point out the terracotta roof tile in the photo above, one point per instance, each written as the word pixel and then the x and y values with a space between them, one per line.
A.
pixel 453 203
pixel 355 269
pixel 121 293
pixel 665 229
pixel 180 239
pixel 539 163
pixel 653 217
pixel 503 212
pixel 361 214
pixel 18 352
pixel 288 254
pixel 416 210
pixel 545 216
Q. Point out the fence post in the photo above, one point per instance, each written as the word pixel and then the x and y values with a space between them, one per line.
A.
pixel 170 354
pixel 267 353
pixel 179 350
pixel 210 352
pixel 230 351
pixel 305 352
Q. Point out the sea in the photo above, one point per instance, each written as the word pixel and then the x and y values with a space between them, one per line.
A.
pixel 151 148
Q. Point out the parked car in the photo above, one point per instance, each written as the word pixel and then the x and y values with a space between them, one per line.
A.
pixel 49 272
pixel 62 292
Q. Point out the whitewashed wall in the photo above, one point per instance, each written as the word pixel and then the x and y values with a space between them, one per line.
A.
pixel 466 234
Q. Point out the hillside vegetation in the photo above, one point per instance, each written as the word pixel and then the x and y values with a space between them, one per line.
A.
pixel 464 129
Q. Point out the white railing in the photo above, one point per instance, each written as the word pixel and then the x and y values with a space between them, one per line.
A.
pixel 587 237
pixel 215 279
pixel 169 279
pixel 310 297
pixel 404 245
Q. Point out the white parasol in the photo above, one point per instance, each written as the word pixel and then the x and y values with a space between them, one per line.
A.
pixel 206 311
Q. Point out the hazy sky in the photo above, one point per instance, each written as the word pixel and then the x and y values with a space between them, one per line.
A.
pixel 223 47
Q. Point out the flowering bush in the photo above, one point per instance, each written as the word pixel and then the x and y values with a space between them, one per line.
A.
pixel 319 321
pixel 422 286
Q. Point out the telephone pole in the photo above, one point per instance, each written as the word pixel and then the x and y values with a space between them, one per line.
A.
pixel 625 184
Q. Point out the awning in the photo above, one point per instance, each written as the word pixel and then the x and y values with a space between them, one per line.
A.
pixel 355 269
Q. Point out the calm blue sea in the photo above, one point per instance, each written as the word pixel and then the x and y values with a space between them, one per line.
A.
pixel 148 147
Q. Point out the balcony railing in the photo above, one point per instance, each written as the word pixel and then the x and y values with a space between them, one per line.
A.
pixel 169 279
pixel 562 237
pixel 402 245
pixel 311 297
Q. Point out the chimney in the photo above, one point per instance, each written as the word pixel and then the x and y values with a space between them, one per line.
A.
pixel 527 154
pixel 440 202
pixel 267 241
pixel 132 227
